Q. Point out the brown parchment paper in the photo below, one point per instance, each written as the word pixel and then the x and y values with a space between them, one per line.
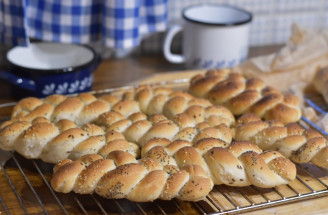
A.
pixel 293 67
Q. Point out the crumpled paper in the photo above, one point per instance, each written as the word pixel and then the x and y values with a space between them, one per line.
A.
pixel 293 67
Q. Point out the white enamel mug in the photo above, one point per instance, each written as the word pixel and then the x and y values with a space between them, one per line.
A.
pixel 214 36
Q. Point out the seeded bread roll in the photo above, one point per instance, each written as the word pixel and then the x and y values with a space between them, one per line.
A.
pixel 80 109
pixel 85 108
pixel 52 142
pixel 158 126
pixel 237 164
pixel 121 176
pixel 298 144
pixel 245 95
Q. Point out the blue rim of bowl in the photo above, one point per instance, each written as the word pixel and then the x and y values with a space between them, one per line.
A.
pixel 218 24
pixel 59 70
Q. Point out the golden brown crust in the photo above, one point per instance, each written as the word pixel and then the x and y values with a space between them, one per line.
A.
pixel 298 144
pixel 89 146
pixel 65 176
pixel 203 84
pixel 10 132
pixel 153 143
pixel 241 102
pixel 67 140
pixel 86 98
pixel 43 110
pixel 62 125
pixel 87 180
pixel 33 140
pixel 280 164
pixel 174 184
pixel 141 181
pixel 55 99
pixel 109 118
pixel 119 145
pixel 91 111
pixel 223 90
pixel 24 106
pixel 110 99
pixel 237 164
pixel 245 95
pixel 121 157
pixel 68 109
pixel 92 129
pixel 126 107
pixel 86 108
pixel 254 84
pixel 53 142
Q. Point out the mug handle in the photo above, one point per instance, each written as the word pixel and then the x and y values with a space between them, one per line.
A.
pixel 173 58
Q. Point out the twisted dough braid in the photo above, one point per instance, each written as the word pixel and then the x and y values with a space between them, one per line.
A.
pixel 298 144
pixel 237 164
pixel 80 109
pixel 52 142
pixel 181 127
pixel 245 95
pixel 85 108
pixel 120 175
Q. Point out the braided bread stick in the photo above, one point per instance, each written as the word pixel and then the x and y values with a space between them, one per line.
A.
pixel 120 175
pixel 158 126
pixel 245 95
pixel 85 108
pixel 81 109
pixel 52 142
pixel 298 144
pixel 237 164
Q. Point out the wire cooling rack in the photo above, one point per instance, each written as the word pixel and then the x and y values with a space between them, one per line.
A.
pixel 24 186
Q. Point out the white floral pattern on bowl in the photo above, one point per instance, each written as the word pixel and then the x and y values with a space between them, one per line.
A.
pixel 84 84
pixel 49 89
pixel 74 86
pixel 65 87
pixel 62 88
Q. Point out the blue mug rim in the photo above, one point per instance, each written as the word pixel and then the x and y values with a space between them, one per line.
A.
pixel 60 70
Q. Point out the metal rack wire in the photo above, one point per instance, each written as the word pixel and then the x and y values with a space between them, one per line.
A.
pixel 27 190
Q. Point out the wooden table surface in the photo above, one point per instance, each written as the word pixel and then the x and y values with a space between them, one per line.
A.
pixel 119 72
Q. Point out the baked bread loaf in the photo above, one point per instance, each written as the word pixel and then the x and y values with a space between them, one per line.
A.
pixel 85 108
pixel 120 175
pixel 245 95
pixel 81 109
pixel 158 126
pixel 298 144
pixel 52 142
pixel 237 164
pixel 320 83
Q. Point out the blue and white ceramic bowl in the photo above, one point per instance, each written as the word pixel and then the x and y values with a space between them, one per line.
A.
pixel 46 68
